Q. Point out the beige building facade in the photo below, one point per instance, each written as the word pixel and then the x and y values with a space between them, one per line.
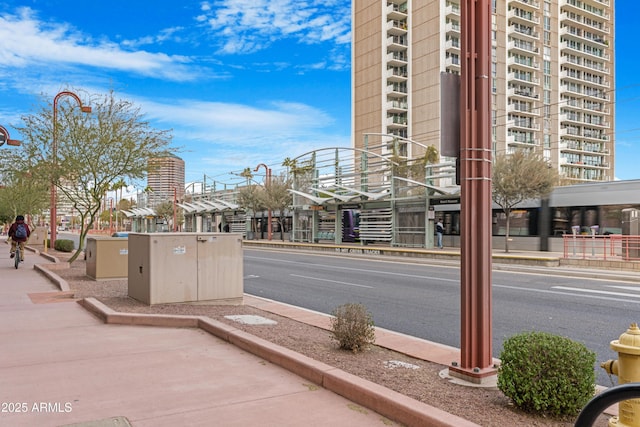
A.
pixel 552 78
pixel 165 180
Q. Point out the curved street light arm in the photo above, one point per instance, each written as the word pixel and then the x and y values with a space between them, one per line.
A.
pixel 53 215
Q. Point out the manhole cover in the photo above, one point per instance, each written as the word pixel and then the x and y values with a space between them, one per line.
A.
pixel 393 364
pixel 250 319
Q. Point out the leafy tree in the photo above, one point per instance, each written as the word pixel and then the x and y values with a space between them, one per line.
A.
pixel 120 184
pixel 301 173
pixel 517 177
pixel 93 150
pixel 20 194
pixel 165 211
pixel 278 198
pixel 251 197
pixel 413 169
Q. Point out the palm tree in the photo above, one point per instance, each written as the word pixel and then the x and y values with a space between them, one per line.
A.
pixel 118 185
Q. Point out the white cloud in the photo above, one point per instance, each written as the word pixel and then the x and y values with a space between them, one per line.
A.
pixel 247 26
pixel 24 40
pixel 216 120
pixel 221 137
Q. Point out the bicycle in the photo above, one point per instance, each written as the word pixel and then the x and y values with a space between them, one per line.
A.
pixel 18 258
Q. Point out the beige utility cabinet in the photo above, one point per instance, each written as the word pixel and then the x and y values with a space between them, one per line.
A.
pixel 185 267
pixel 107 258
pixel 38 235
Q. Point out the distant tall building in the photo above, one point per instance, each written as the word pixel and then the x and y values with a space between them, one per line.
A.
pixel 552 77
pixel 166 175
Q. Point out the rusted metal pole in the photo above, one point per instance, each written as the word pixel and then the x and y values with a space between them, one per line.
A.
pixel 476 357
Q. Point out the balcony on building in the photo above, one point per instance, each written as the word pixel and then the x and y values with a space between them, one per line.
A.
pixel 598 122
pixel 580 7
pixel 583 49
pixel 524 92
pixel 523 32
pixel 397 59
pixel 524 78
pixel 397 10
pixel 397 90
pixel 452 27
pixel 524 109
pixel 525 63
pixel 571 75
pixel 397 121
pixel 570 146
pixel 522 16
pixel 521 140
pixel 571 117
pixel 397 106
pixel 597 94
pixel 397 43
pixel 397 28
pixel 584 36
pixel 586 64
pixel 580 147
pixel 523 124
pixel 396 74
pixel 452 62
pixel 586 23
pixel 452 11
pixel 522 46
pixel 584 79
pixel 452 45
pixel 526 4
pixel 595 80
pixel 585 135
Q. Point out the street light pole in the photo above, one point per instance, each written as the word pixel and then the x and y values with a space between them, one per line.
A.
pixel 175 202
pixel 53 214
pixel 110 216
pixel 5 137
pixel 268 182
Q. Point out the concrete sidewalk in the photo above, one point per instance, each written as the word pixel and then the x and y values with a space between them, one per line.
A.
pixel 61 365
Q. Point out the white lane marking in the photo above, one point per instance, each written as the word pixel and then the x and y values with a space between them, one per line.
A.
pixel 628 288
pixel 331 281
pixel 595 291
pixel 574 294
pixel 364 270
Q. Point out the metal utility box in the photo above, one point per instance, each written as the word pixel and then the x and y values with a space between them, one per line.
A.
pixel 38 235
pixel 184 267
pixel 107 258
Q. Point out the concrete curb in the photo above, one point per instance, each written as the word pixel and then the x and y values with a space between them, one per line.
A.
pixel 382 400
pixel 53 277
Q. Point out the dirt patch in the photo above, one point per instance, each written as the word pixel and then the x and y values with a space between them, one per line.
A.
pixel 418 379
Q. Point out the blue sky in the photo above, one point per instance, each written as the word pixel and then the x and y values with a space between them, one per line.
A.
pixel 240 82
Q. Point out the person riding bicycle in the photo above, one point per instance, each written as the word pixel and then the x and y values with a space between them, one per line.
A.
pixel 19 233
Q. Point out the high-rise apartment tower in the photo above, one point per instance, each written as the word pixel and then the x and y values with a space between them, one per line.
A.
pixel 552 77
pixel 165 179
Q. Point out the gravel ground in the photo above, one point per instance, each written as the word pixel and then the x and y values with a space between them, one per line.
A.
pixel 416 378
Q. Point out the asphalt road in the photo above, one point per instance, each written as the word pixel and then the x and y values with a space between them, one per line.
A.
pixel 424 300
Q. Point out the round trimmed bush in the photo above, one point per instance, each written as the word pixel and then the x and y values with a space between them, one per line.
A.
pixel 64 245
pixel 546 373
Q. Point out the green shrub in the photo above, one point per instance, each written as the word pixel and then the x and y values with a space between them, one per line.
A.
pixel 64 245
pixel 352 327
pixel 546 373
